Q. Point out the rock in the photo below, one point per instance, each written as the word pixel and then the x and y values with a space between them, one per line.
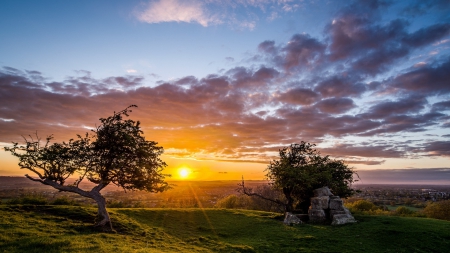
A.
pixel 336 204
pixel 291 219
pixel 334 212
pixel 340 219
pixel 317 215
pixel 324 191
pixel 326 207
pixel 320 202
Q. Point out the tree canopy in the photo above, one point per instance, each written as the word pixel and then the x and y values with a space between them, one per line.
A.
pixel 300 169
pixel 116 152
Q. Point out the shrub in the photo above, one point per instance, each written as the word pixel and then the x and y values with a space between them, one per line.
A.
pixel 362 205
pixel 404 211
pixel 438 210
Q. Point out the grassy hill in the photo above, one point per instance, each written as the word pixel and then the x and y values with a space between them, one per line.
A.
pixel 69 229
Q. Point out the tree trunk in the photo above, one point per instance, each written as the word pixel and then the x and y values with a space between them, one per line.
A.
pixel 289 206
pixel 103 221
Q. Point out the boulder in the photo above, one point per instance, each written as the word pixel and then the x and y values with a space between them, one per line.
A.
pixel 326 207
pixel 291 219
pixel 336 204
pixel 334 212
pixel 340 219
pixel 320 202
pixel 324 191
pixel 317 215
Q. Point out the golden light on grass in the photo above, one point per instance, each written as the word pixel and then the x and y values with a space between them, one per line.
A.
pixel 184 172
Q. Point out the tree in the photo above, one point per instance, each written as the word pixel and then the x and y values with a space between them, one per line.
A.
pixel 301 169
pixel 114 153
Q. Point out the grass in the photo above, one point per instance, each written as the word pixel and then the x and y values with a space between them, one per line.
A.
pixel 412 208
pixel 69 229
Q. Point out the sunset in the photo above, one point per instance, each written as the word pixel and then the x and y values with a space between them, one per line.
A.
pixel 222 86
pixel 224 126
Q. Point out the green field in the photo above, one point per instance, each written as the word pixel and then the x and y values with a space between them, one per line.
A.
pixel 69 229
pixel 414 209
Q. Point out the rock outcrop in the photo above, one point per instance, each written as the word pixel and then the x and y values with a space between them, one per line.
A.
pixel 326 207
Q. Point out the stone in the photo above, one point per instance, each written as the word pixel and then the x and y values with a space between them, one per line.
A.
pixel 336 204
pixel 290 219
pixel 340 219
pixel 317 215
pixel 320 202
pixel 334 212
pixel 326 207
pixel 324 191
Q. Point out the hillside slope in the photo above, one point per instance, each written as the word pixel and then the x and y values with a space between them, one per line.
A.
pixel 69 229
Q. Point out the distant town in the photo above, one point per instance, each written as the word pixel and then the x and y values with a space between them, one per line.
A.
pixel 205 194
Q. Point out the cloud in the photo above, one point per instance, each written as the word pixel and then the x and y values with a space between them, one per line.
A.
pixel 383 109
pixel 402 176
pixel 429 80
pixel 438 148
pixel 335 105
pixel 299 96
pixel 344 85
pixel 214 12
pixel 176 11
pixel 336 86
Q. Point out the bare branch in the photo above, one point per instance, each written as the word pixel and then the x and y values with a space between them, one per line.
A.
pixel 249 192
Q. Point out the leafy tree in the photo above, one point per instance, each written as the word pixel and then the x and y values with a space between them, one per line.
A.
pixel 300 170
pixel 438 210
pixel 114 153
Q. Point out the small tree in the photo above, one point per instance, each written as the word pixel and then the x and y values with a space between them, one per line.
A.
pixel 301 169
pixel 114 153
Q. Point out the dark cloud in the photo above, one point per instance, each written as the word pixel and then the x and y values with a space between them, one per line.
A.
pixel 340 87
pixel 427 35
pixel 402 176
pixel 299 96
pixel 343 150
pixel 407 105
pixel 357 38
pixel 366 162
pixel 302 51
pixel 441 106
pixel 438 148
pixel 428 80
pixel 335 105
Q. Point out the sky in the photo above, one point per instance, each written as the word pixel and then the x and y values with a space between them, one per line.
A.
pixel 223 85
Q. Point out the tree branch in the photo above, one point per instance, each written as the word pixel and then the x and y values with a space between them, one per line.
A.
pixel 249 192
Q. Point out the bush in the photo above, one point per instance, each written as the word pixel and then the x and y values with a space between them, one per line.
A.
pixel 404 211
pixel 361 205
pixel 438 210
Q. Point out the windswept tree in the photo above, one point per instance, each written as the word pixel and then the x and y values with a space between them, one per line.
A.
pixel 300 170
pixel 116 152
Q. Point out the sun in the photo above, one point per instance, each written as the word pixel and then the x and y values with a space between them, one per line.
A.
pixel 184 172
